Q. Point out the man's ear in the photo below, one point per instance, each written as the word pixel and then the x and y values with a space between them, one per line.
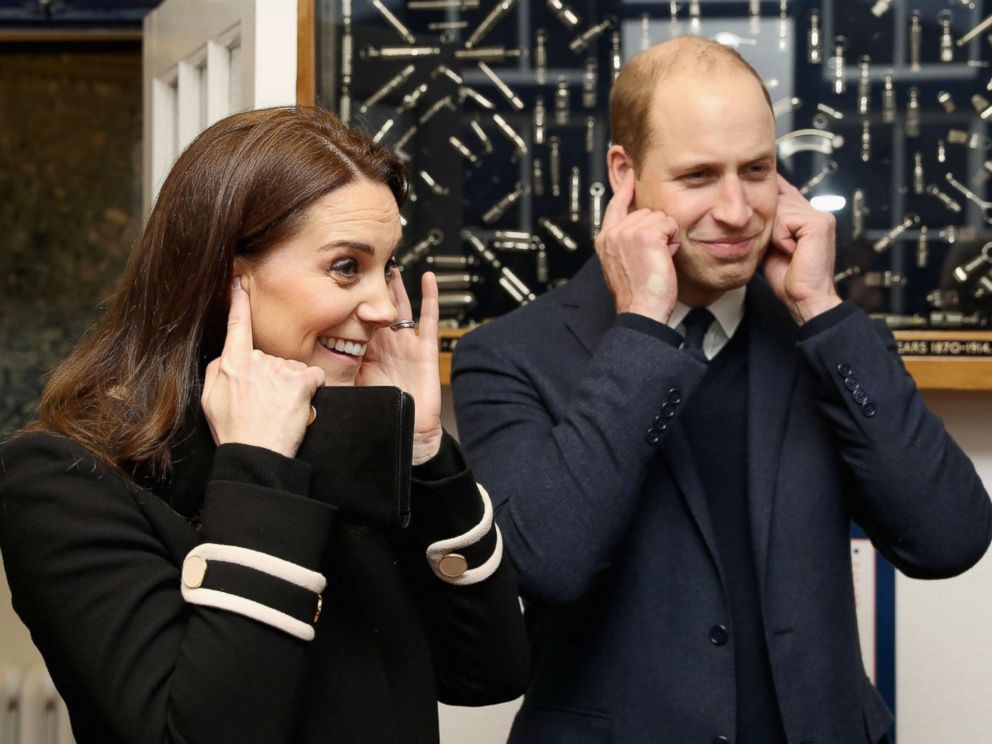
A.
pixel 617 165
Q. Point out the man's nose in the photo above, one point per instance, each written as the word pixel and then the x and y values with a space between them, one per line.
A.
pixel 732 207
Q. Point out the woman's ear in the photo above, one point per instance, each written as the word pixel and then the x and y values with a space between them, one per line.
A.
pixel 242 268
pixel 617 165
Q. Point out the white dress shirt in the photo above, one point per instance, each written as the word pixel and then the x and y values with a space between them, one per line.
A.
pixel 728 312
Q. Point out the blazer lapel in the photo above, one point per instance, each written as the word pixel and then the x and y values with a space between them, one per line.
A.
pixel 588 305
pixel 677 456
pixel 772 367
pixel 589 313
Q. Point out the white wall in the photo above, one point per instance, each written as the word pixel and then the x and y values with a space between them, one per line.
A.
pixel 943 628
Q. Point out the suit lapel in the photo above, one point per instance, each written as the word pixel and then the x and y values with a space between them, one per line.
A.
pixel 588 305
pixel 677 456
pixel 772 367
pixel 589 313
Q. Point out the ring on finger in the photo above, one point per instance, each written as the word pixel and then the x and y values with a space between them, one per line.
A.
pixel 399 325
pixel 312 415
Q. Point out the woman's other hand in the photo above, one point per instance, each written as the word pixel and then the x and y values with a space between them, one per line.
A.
pixel 408 359
pixel 250 397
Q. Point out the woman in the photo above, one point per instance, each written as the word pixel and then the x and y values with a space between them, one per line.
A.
pixel 185 575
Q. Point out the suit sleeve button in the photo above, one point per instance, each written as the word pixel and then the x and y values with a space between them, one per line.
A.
pixel 721 740
pixel 674 396
pixel 653 436
pixel 851 383
pixel 868 409
pixel 719 635
pixel 667 411
pixel 844 369
pixel 860 396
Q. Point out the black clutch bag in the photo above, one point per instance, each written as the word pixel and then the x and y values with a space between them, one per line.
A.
pixel 360 451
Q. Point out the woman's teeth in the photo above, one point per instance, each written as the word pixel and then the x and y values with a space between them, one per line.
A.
pixel 346 347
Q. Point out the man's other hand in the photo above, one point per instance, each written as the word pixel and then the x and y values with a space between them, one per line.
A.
pixel 635 250
pixel 799 264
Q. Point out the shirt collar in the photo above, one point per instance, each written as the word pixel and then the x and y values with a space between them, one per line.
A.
pixel 728 309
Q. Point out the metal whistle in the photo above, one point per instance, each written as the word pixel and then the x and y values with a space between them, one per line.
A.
pixel 922 248
pixel 394 52
pixel 498 209
pixel 564 13
pixel 858 213
pixel 395 22
pixel 886 241
pixel 580 42
pixel 864 86
pixel 814 48
pixel 563 238
pixel 946 200
pixel 502 87
pixel 486 25
pixel 421 249
pixel 965 272
pixel 812 183
pixel 388 87
pixel 511 133
pixel 488 54
pixel 840 83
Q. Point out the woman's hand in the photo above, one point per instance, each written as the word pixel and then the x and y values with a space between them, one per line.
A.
pixel 408 359
pixel 252 398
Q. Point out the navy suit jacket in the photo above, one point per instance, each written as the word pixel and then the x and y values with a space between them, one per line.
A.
pixel 611 536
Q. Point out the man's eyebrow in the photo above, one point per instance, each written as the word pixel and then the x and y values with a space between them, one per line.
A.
pixel 718 164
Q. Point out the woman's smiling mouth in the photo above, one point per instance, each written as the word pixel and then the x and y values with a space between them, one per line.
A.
pixel 343 347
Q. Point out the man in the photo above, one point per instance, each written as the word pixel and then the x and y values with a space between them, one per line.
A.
pixel 679 517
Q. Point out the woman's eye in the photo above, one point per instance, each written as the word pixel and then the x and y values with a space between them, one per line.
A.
pixel 391 266
pixel 346 267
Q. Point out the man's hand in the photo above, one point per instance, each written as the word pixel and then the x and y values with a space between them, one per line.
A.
pixel 799 265
pixel 636 251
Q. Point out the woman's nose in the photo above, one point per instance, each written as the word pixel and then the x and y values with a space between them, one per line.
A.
pixel 378 307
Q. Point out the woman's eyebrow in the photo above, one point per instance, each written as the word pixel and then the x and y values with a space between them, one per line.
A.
pixel 356 244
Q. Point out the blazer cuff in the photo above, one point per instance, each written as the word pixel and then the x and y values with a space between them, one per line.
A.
pixel 826 320
pixel 244 463
pixel 282 524
pixel 650 327
pixel 444 498
pixel 265 588
pixel 447 462
pixel 472 556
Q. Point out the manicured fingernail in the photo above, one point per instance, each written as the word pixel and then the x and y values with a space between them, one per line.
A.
pixel 237 282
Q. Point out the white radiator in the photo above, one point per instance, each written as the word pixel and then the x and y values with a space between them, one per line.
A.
pixel 31 711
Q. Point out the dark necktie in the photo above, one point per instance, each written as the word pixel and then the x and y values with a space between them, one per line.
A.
pixel 697 322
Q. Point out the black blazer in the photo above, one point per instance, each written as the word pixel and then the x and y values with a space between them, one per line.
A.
pixel 608 526
pixel 94 566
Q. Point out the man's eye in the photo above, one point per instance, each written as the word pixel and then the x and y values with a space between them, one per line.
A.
pixel 758 170
pixel 695 176
pixel 346 267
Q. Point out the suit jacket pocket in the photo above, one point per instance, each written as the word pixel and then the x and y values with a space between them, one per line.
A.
pixel 878 717
pixel 545 724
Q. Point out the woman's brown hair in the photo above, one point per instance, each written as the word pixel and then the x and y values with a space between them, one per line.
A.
pixel 241 187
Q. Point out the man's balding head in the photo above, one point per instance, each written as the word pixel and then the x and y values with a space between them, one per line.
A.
pixel 647 72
